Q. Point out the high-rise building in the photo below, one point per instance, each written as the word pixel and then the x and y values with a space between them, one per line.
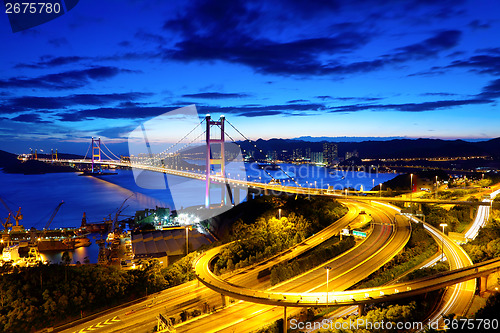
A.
pixel 297 154
pixel 350 154
pixel 308 153
pixel 329 153
pixel 317 157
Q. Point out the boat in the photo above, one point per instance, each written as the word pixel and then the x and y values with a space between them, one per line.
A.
pixel 269 166
pixel 62 244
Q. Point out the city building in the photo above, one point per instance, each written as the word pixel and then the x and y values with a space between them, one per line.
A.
pixel 317 157
pixel 329 153
pixel 350 154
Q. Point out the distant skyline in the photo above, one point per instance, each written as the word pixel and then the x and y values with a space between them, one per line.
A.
pixel 275 69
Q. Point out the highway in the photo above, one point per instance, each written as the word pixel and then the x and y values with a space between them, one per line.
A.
pixel 244 316
pixel 381 245
pixel 457 299
pixel 189 296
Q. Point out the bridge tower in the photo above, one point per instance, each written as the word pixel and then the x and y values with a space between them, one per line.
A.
pixel 96 151
pixel 217 161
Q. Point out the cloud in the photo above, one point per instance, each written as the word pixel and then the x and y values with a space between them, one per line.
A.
pixel 26 103
pixel 215 95
pixel 112 113
pixel 492 90
pixel 477 24
pixel 411 107
pixel 64 80
pixel 58 42
pixel 443 40
pixel 483 64
pixel 234 31
pixel 50 61
pixel 150 37
pixel 30 118
pixel 116 132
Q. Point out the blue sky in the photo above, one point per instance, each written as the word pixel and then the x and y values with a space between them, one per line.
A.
pixel 284 69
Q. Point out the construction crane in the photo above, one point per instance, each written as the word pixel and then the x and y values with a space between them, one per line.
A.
pixel 17 217
pixel 121 209
pixel 53 215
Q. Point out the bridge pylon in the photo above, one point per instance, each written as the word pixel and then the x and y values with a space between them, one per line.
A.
pixel 215 161
pixel 96 151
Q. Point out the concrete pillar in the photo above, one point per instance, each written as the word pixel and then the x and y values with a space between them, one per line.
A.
pixel 236 196
pixel 224 300
pixel 285 322
pixel 223 194
pixel 361 310
pixel 471 212
pixel 483 284
pixel 266 191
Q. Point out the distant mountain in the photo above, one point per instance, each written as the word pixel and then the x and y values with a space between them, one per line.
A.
pixel 363 138
pixel 347 138
pixel 396 148
pixel 10 164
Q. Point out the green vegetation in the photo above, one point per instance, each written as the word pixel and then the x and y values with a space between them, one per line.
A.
pixel 420 247
pixel 41 296
pixel 427 271
pixel 457 218
pixel 37 297
pixel 487 243
pixel 491 309
pixel 405 311
pixel 269 235
pixel 307 261
pixel 451 194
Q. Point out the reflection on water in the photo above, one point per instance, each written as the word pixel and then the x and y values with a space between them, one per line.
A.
pixel 38 195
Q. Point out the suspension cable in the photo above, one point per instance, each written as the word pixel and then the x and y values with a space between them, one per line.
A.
pixel 85 157
pixel 229 136
pixel 110 150
pixel 175 144
pixel 262 152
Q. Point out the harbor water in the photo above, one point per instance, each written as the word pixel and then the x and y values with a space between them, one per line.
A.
pixel 101 198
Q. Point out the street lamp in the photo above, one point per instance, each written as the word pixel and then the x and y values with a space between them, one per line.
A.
pixel 436 193
pixel 187 233
pixel 328 268
pixel 443 225
pixel 411 186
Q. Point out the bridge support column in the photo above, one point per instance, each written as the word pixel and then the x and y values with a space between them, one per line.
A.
pixel 285 322
pixel 483 284
pixel 266 191
pixel 236 196
pixel 471 212
pixel 222 194
pixel 224 300
pixel 361 310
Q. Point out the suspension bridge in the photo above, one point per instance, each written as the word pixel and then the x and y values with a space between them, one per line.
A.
pixel 211 145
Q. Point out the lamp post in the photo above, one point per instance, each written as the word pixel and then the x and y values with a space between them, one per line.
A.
pixel 443 225
pixel 380 190
pixel 327 278
pixel 187 249
pixel 436 193
pixel 411 186
pixel 279 213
